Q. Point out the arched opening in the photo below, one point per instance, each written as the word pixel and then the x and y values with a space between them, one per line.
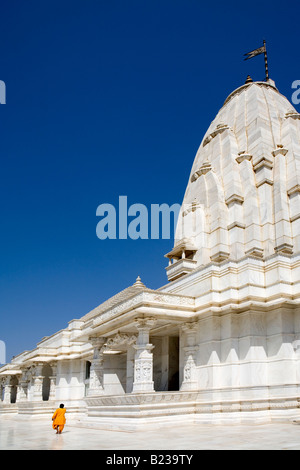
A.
pixel 46 372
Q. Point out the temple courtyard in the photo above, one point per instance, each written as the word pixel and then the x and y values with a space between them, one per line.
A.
pixel 37 434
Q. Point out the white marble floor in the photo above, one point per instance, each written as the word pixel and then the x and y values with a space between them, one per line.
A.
pixel 37 434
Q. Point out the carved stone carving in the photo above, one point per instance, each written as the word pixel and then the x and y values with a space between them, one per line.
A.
pixel 120 339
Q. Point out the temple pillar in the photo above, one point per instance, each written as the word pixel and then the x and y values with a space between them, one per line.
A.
pixel 22 394
pixel 96 371
pixel 190 350
pixel 143 360
pixel 7 390
pixel 52 393
pixel 38 382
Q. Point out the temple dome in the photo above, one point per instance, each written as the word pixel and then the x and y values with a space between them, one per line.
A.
pixel 243 194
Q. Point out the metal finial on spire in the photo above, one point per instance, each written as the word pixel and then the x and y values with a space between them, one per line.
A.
pixel 248 79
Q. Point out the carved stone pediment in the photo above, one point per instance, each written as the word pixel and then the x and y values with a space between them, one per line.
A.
pixel 120 339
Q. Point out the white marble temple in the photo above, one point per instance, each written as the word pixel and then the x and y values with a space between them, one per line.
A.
pixel 220 342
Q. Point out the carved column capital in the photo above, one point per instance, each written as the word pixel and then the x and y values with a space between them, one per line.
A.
pixel 97 341
pixel 145 323
pixel 189 327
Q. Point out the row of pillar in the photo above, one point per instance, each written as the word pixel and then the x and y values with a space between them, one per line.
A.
pixel 23 380
pixel 143 366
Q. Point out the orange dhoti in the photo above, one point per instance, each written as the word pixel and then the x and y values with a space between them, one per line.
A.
pixel 59 419
pixel 58 427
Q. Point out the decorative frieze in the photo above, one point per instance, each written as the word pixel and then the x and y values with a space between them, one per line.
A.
pixel 120 339
pixel 144 297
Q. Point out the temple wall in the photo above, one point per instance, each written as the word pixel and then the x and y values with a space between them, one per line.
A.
pixel 160 363
pixel 114 377
pixel 70 380
pixel 238 281
pixel 249 349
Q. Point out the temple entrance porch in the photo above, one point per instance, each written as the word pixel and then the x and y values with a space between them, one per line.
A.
pixel 145 355
pixel 121 366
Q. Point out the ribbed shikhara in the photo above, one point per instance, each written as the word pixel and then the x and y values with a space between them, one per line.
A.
pixel 243 195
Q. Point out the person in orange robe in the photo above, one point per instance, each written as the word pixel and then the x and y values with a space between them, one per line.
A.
pixel 59 419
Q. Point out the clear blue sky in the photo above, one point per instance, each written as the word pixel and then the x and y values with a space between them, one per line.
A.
pixel 110 98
